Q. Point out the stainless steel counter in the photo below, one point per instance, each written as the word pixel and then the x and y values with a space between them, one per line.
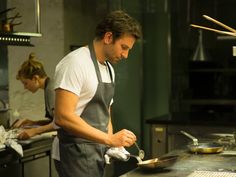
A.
pixel 37 156
pixel 188 163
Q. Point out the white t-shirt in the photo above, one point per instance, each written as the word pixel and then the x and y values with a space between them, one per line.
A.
pixel 76 73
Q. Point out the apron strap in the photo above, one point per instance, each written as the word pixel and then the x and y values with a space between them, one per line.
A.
pixel 93 56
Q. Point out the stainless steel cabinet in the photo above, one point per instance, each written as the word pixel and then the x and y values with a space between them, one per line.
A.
pixel 37 165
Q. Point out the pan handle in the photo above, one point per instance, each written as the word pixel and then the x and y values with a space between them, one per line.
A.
pixel 195 140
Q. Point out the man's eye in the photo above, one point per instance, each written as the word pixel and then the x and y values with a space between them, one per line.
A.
pixel 124 47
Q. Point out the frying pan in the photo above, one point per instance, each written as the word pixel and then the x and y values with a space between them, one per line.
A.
pixel 162 162
pixel 204 148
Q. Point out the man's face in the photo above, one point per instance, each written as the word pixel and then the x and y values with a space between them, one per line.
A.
pixel 118 50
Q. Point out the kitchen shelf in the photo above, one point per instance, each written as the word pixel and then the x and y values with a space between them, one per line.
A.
pixel 17 38
pixel 213 70
pixel 210 101
pixel 224 37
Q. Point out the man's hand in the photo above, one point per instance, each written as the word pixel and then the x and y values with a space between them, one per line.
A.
pixel 27 133
pixel 124 138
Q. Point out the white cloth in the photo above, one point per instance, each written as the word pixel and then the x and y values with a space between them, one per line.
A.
pixel 76 73
pixel 9 138
pixel 118 153
pixel 55 149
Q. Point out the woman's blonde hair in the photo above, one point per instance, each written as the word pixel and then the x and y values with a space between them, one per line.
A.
pixel 30 68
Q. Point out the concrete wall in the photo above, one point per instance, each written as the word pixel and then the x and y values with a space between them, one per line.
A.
pixel 49 49
pixel 63 24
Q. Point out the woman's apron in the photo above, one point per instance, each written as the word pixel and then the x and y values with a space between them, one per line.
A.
pixel 81 157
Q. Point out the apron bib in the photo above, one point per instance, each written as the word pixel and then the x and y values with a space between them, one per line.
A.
pixel 81 157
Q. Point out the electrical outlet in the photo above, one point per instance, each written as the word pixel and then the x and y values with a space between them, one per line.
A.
pixel 234 51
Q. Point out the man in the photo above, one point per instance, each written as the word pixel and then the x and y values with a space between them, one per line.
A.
pixel 84 84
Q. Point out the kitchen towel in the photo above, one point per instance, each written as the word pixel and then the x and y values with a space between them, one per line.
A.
pixel 118 153
pixel 9 139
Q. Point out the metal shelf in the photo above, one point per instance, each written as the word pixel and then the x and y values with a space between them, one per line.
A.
pixel 214 70
pixel 17 38
pixel 210 101
pixel 22 38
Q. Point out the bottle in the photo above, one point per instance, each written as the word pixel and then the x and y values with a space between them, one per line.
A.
pixel 15 115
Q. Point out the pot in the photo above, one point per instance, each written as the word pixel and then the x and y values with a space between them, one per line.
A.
pixel 8 27
pixel 162 162
pixel 205 148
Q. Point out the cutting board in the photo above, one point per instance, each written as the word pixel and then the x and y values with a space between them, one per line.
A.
pixel 39 137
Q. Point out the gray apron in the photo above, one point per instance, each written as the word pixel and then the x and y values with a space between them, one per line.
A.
pixel 81 157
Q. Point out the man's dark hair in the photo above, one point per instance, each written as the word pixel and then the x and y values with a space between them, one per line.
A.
pixel 119 23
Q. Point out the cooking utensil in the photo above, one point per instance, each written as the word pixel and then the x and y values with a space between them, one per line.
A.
pixel 231 33
pixel 8 27
pixel 205 148
pixel 141 152
pixel 5 11
pixel 136 157
pixel 195 140
pixel 14 17
pixel 162 162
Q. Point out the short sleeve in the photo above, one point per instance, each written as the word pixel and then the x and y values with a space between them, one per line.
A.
pixel 69 76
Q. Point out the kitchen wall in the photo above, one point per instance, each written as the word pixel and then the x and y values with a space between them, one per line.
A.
pixel 49 49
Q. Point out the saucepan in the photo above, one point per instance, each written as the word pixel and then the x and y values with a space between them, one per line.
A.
pixel 205 148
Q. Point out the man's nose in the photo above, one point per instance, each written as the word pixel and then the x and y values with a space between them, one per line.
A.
pixel 125 54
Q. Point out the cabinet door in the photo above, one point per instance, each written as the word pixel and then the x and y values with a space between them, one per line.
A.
pixel 11 170
pixel 37 167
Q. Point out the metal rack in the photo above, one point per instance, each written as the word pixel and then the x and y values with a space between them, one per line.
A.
pixel 23 38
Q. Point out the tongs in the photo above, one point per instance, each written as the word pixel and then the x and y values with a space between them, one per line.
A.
pixel 231 32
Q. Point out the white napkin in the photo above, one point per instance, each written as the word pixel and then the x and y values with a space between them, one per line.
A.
pixel 9 138
pixel 118 153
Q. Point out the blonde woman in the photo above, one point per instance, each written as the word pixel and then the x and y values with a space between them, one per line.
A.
pixel 33 77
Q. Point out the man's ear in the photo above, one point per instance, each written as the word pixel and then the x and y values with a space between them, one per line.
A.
pixel 108 38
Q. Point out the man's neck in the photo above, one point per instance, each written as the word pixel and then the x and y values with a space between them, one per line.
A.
pixel 98 49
